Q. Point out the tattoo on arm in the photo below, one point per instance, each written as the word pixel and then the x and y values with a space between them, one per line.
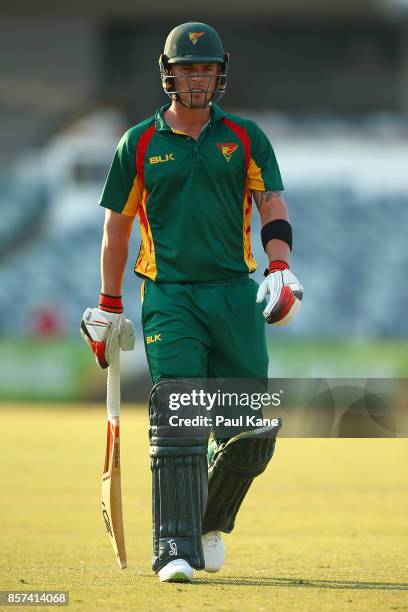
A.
pixel 261 197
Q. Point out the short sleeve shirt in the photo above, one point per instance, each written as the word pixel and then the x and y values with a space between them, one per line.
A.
pixel 192 197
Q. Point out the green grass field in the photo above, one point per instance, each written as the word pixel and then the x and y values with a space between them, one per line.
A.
pixel 325 528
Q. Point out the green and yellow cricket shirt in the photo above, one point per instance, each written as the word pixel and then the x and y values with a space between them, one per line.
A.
pixel 192 197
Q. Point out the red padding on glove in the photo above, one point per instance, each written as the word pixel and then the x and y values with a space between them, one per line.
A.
pixel 110 303
pixel 98 349
pixel 278 264
pixel 284 305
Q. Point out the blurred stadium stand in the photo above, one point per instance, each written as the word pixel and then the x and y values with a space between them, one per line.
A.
pixel 23 207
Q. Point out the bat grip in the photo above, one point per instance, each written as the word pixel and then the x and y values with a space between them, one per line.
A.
pixel 113 387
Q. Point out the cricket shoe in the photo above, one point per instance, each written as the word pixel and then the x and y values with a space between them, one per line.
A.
pixel 176 571
pixel 213 547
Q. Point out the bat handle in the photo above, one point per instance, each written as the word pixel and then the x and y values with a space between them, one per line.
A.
pixel 113 388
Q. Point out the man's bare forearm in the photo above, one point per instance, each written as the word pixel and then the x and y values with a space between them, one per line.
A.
pixel 114 252
pixel 272 206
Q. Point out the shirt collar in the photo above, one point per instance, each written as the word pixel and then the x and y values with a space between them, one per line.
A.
pixel 217 113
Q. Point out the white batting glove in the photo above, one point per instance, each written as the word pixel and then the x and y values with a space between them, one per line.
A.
pixel 105 331
pixel 285 294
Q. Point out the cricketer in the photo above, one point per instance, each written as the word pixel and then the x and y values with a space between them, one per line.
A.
pixel 190 174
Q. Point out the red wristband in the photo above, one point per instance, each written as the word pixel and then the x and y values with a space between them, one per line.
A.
pixel 110 303
pixel 278 264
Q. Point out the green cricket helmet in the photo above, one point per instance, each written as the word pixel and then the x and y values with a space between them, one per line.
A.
pixel 193 43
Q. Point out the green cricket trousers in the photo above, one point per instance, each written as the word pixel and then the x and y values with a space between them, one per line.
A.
pixel 204 330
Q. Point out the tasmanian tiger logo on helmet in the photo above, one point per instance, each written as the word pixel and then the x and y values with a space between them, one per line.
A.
pixel 194 36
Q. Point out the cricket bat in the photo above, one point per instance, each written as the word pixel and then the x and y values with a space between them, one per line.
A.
pixel 111 483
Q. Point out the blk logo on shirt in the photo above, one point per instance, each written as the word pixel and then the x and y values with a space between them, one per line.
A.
pixel 159 159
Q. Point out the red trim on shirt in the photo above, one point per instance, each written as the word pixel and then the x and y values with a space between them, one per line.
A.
pixel 243 136
pixel 141 151
pixel 140 161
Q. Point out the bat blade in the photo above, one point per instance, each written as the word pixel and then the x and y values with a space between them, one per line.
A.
pixel 112 494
